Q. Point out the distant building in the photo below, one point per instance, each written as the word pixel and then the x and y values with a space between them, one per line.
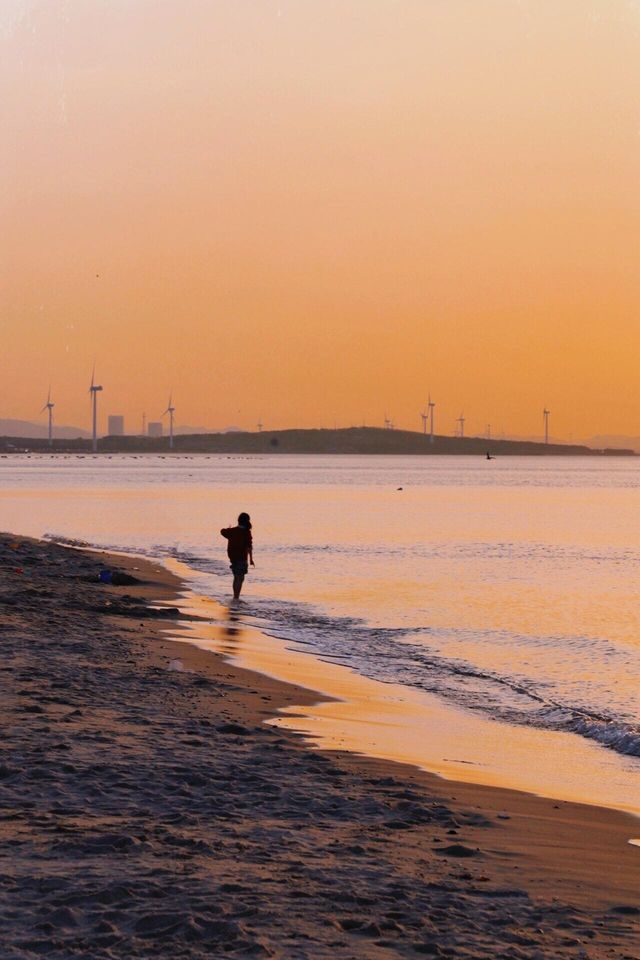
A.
pixel 116 426
pixel 154 429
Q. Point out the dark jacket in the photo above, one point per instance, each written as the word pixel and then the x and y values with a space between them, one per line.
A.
pixel 240 542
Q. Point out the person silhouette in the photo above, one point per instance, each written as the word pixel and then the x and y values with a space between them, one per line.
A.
pixel 239 550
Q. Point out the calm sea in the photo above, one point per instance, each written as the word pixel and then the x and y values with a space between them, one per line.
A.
pixel 507 588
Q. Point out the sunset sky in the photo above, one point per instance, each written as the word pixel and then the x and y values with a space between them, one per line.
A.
pixel 315 211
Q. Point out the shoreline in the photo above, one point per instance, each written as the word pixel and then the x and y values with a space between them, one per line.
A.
pixel 358 714
pixel 562 876
pixel 63 449
pixel 536 818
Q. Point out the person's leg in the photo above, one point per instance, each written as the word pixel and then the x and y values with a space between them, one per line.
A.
pixel 238 580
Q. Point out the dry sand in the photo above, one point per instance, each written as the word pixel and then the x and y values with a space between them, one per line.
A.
pixel 149 812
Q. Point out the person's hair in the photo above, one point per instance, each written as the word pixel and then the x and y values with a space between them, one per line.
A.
pixel 244 520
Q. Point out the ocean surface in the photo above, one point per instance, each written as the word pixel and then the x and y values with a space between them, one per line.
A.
pixel 508 589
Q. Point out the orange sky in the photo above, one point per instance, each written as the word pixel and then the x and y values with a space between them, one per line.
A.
pixel 310 211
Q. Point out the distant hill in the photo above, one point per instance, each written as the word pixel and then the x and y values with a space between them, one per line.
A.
pixel 369 440
pixel 28 430
pixel 355 440
pixel 617 442
pixel 189 430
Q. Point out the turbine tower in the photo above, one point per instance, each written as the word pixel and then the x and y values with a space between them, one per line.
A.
pixel 425 417
pixel 49 407
pixel 94 390
pixel 545 417
pixel 431 405
pixel 170 410
pixel 460 422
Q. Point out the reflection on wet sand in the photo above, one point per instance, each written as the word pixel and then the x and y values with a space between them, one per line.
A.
pixel 231 633
pixel 212 625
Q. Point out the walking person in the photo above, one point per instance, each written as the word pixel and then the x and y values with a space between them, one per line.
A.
pixel 239 551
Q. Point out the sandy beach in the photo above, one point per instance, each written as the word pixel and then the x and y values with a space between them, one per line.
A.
pixel 147 810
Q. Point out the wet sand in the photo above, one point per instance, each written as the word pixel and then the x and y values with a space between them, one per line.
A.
pixel 147 810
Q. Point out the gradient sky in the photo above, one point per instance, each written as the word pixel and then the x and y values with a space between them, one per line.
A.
pixel 314 211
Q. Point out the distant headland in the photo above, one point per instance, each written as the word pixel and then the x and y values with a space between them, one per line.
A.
pixel 351 440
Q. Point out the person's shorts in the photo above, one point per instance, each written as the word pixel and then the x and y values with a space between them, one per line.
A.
pixel 240 568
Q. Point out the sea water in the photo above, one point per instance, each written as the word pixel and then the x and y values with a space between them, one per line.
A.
pixel 507 589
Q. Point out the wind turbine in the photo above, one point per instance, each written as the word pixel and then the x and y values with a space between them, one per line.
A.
pixel 260 425
pixel 431 405
pixel 545 417
pixel 425 417
pixel 94 390
pixel 49 407
pixel 460 421
pixel 170 410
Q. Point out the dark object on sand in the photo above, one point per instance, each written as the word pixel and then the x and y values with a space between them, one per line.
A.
pixel 117 578
pixel 459 850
